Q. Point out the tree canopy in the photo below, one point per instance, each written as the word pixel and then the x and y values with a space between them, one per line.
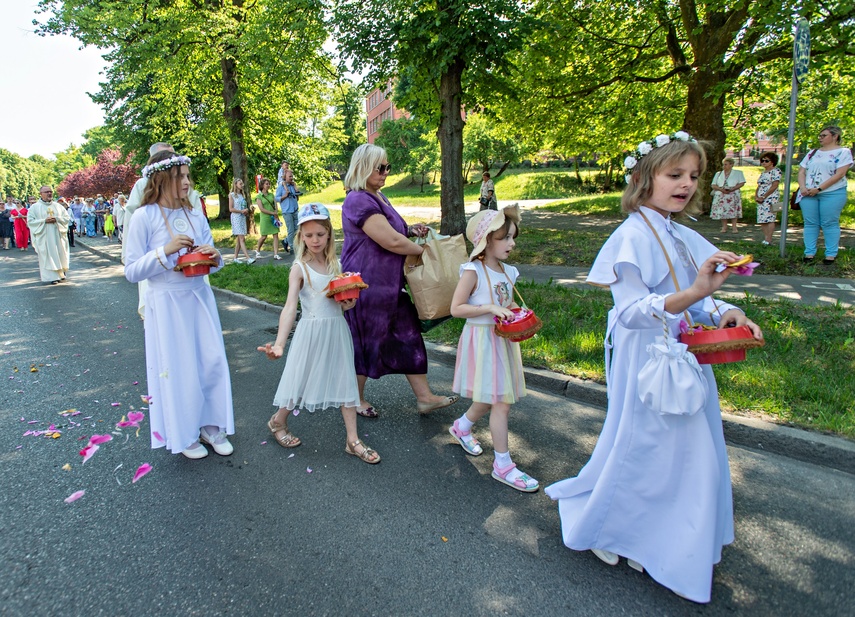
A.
pixel 603 75
pixel 234 84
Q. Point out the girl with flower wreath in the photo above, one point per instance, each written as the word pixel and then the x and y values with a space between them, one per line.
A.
pixel 657 488
pixel 186 367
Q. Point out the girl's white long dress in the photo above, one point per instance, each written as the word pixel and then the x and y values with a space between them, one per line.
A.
pixel 186 366
pixel 319 370
pixel 657 487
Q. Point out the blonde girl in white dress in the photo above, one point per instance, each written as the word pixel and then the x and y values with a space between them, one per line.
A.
pixel 319 371
pixel 489 368
pixel 186 367
pixel 657 487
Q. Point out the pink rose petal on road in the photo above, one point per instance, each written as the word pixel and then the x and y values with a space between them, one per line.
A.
pixel 263 443
pixel 74 496
pixel 98 439
pixel 141 471
pixel 145 399
pixel 136 416
pixel 296 412
pixel 88 452
pixel 157 436
pixel 136 383
pixel 115 404
pixel 308 470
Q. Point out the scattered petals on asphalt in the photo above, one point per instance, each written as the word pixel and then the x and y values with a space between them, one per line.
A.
pixel 99 439
pixel 66 467
pixel 157 436
pixel 263 443
pixel 291 455
pixel 444 539
pixel 85 371
pixel 296 412
pixel 145 398
pixel 136 383
pixel 141 471
pixel 136 416
pixel 74 496
pixel 308 470
pixel 115 404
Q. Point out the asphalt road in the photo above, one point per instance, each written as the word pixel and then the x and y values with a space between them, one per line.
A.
pixel 425 532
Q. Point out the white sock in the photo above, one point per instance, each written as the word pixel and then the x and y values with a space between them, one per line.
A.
pixel 464 424
pixel 503 459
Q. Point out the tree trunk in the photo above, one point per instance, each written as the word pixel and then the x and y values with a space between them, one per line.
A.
pixel 233 113
pixel 704 120
pixel 450 136
pixel 576 165
pixel 503 168
pixel 224 188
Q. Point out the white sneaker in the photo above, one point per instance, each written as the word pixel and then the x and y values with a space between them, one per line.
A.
pixel 606 556
pixel 238 260
pixel 258 254
pixel 277 258
pixel 196 452
pixel 251 260
pixel 218 442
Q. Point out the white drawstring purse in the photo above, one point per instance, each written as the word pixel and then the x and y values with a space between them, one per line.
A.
pixel 672 381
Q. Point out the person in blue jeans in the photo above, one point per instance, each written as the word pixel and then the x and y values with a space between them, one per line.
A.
pixel 822 189
pixel 289 204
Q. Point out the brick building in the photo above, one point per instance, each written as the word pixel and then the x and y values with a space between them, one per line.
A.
pixel 379 107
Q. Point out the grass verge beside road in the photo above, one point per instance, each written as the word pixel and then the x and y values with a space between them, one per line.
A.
pixel 803 376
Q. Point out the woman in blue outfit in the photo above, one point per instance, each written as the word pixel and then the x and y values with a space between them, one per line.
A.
pixel 822 192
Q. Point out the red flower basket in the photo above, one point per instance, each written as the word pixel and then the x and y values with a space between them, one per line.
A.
pixel 720 346
pixel 194 264
pixel 524 325
pixel 346 286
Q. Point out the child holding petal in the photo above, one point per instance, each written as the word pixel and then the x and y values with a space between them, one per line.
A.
pixel 319 371
pixel 657 488
pixel 489 368
pixel 187 370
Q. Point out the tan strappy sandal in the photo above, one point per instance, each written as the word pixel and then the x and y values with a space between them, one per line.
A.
pixel 366 453
pixel 286 440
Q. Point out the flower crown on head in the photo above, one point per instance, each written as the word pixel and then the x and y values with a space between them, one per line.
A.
pixel 646 147
pixel 173 161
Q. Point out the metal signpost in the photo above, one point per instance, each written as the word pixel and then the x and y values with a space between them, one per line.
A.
pixel 801 62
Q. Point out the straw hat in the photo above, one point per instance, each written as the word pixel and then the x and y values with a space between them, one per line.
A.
pixel 486 222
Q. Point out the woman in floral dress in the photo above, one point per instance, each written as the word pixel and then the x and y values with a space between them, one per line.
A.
pixel 767 196
pixel 727 202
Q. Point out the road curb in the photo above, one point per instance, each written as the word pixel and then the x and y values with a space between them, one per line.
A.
pixel 815 448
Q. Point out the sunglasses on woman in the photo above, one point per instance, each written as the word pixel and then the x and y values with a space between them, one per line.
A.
pixel 765 161
pixel 384 169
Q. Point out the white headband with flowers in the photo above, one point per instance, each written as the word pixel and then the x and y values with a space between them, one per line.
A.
pixel 173 161
pixel 646 147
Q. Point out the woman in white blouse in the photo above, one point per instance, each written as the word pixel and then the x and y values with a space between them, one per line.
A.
pixel 822 192
pixel 727 200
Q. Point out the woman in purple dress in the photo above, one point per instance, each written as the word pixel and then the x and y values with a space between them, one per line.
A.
pixel 384 323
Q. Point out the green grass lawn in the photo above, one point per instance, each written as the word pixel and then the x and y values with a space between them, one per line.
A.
pixel 803 376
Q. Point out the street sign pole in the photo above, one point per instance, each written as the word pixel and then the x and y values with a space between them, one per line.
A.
pixel 801 62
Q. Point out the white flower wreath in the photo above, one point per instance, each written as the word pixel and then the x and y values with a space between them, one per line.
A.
pixel 173 161
pixel 646 147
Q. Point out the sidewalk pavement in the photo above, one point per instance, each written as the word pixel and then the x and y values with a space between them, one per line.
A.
pixel 815 448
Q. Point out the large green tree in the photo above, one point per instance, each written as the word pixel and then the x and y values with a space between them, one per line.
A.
pixel 604 74
pixel 446 53
pixel 230 82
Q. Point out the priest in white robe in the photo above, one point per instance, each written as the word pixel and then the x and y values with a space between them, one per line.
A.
pixel 48 222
